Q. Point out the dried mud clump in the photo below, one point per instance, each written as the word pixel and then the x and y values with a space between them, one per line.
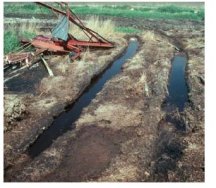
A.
pixel 14 110
pixel 190 166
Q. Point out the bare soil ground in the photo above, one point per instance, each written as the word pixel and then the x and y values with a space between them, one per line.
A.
pixel 124 134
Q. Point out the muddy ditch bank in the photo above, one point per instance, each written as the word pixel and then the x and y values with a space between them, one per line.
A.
pixel 26 117
pixel 191 166
pixel 194 45
pixel 114 136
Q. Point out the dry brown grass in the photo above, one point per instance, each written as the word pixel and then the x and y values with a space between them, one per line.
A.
pixel 25 29
pixel 143 84
pixel 86 55
pixel 31 27
pixel 105 28
pixel 158 47
pixel 149 36
pixel 63 67
pixel 195 43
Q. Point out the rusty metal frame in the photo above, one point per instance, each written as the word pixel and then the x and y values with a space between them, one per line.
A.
pixel 42 43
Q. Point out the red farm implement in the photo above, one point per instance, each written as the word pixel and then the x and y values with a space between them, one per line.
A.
pixel 61 41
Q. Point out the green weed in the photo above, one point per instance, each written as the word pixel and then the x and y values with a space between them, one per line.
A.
pixel 129 30
pixel 153 11
pixel 167 12
pixel 174 9
pixel 12 39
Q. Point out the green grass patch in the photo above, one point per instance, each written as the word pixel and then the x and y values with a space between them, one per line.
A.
pixel 25 8
pixel 128 30
pixel 129 10
pixel 174 9
pixel 151 11
pixel 156 13
pixel 12 40
pixel 27 35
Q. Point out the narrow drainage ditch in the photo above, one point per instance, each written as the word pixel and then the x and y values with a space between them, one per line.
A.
pixel 177 87
pixel 178 92
pixel 169 146
pixel 65 121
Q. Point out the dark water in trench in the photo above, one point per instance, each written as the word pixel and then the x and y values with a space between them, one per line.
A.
pixel 177 87
pixel 169 145
pixel 65 121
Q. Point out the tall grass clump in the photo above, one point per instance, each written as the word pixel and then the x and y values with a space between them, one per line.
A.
pixel 145 10
pixel 13 35
pixel 128 30
pixel 174 9
pixel 11 41
pixel 25 8
pixel 105 28
pixel 162 12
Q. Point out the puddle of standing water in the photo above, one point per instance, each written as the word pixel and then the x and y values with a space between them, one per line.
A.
pixel 177 87
pixel 65 121
pixel 169 142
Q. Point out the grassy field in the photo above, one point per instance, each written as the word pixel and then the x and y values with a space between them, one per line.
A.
pixel 174 11
pixel 130 10
pixel 161 12
pixel 12 39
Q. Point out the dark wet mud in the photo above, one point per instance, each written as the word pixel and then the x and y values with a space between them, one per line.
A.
pixel 170 145
pixel 27 80
pixel 65 121
pixel 89 155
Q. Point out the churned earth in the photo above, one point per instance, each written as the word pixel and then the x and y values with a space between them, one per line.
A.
pixel 125 133
pixel 115 133
pixel 29 114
